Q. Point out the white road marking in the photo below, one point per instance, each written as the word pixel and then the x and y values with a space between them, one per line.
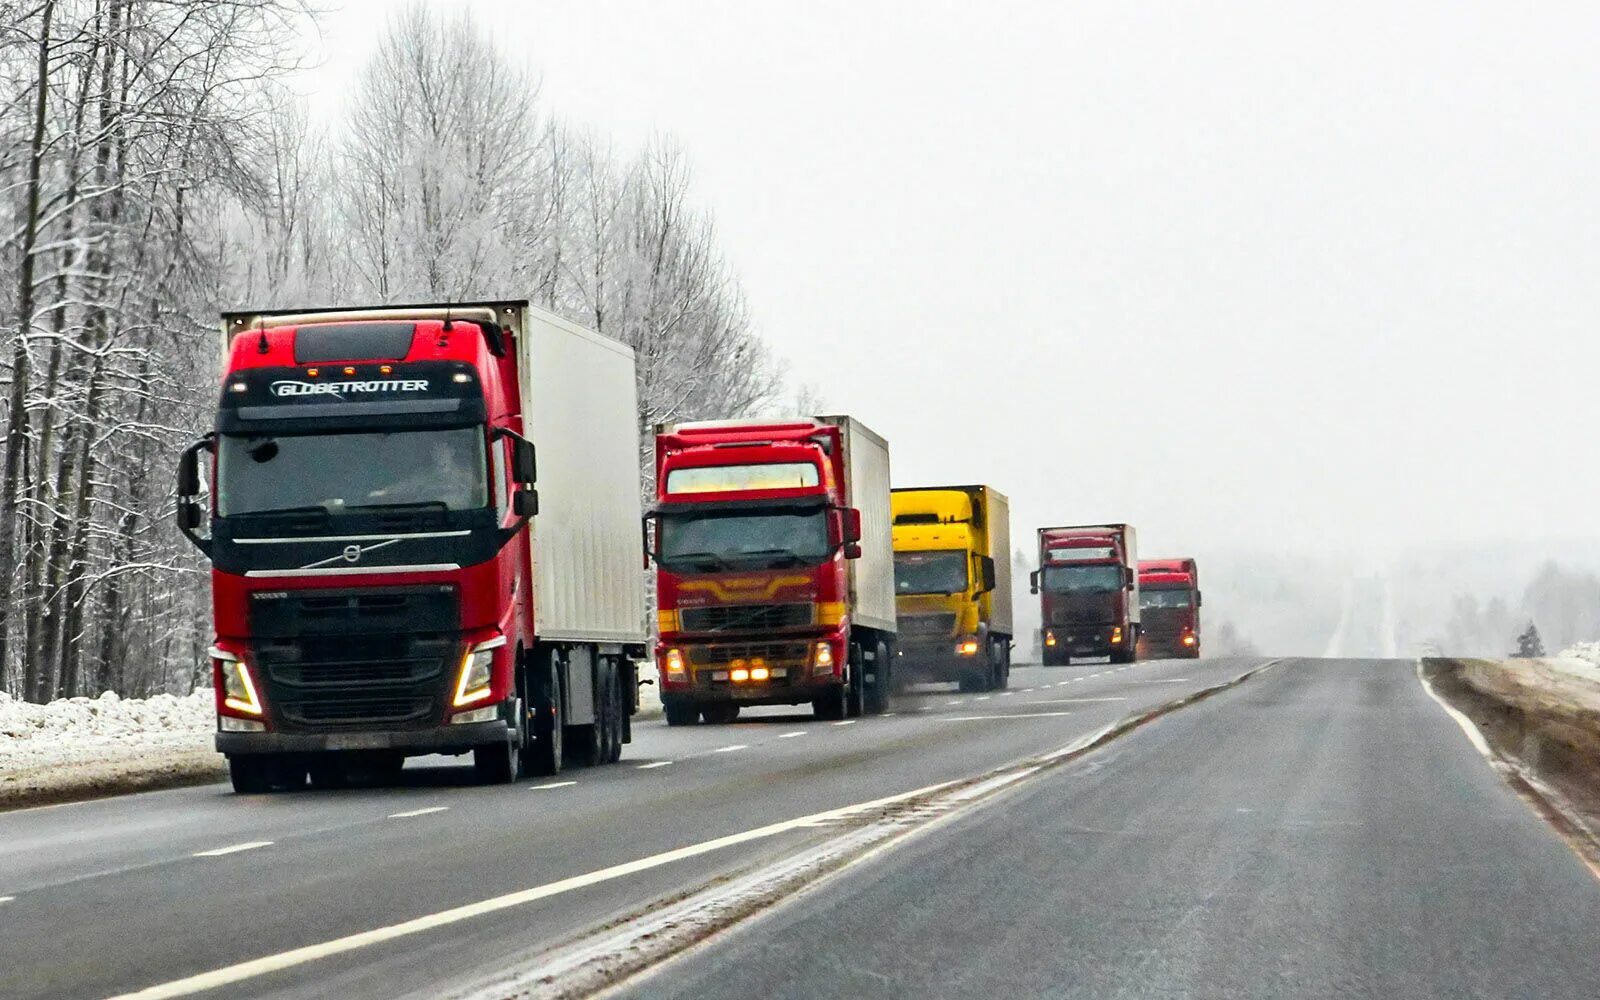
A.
pixel 731 747
pixel 924 708
pixel 6 899
pixel 1163 680
pixel 1069 701
pixel 553 784
pixel 1062 684
pixel 1007 694
pixel 956 701
pixel 654 764
pixel 218 852
pixel 847 722
pixel 983 697
pixel 884 715
pixel 1004 715
pixel 419 812
pixel 1466 724
pixel 790 736
pixel 229 974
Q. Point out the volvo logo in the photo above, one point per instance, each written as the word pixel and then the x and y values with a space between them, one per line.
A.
pixel 352 553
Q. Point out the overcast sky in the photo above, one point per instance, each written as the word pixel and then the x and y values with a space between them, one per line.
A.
pixel 1310 275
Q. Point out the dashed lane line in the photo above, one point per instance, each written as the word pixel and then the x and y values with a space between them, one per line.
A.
pixel 654 764
pixel 847 722
pixel 419 812
pixel 731 747
pixel 217 852
pixel 790 736
pixel 552 784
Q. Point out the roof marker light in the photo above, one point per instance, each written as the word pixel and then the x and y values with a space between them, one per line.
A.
pixel 349 371
pixel 461 377
pixel 385 369
pixel 312 372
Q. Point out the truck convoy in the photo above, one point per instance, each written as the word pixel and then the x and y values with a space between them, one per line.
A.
pixel 1169 599
pixel 952 578
pixel 387 579
pixel 1089 592
pixel 775 567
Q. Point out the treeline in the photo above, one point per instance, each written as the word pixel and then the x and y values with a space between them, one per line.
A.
pixel 1560 605
pixel 156 169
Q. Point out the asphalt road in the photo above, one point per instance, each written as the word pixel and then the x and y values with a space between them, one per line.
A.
pixel 118 895
pixel 1323 830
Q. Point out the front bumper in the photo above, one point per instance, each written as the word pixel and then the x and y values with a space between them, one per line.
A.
pixel 934 660
pixel 442 739
pixel 1085 640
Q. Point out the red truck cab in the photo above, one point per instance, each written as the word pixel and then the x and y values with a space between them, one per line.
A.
pixel 1089 593
pixel 1169 593
pixel 756 543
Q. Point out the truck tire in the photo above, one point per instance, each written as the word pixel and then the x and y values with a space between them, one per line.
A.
pixel 499 763
pixel 877 693
pixel 830 707
pixel 680 714
pixel 548 719
pixel 1001 656
pixel 720 713
pixel 252 774
pixel 615 732
pixel 854 696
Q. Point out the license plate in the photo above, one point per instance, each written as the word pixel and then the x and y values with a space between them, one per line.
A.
pixel 358 741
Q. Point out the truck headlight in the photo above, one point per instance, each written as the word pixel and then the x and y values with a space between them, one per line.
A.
pixel 1116 635
pixel 673 660
pixel 1049 638
pixel 238 690
pixel 477 673
pixel 967 647
pixel 822 658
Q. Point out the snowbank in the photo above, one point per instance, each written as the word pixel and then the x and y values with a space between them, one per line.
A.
pixel 1583 652
pixel 79 729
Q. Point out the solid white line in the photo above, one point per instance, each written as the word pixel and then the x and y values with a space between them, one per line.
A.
pixel 1005 715
pixel 730 748
pixel 420 812
pixel 790 736
pixel 233 849
pixel 654 764
pixel 847 722
pixel 230 974
pixel 1466 724
pixel 553 784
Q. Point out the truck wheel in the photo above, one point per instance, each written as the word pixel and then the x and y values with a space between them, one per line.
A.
pixel 679 714
pixel 548 722
pixel 327 770
pixel 830 707
pixel 1001 656
pixel 855 697
pixel 252 774
pixel 877 694
pixel 618 720
pixel 499 763
pixel 720 713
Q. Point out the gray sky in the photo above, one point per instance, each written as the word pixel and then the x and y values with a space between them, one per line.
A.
pixel 1320 274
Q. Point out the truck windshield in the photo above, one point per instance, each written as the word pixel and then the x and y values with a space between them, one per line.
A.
pixel 260 474
pixel 1163 598
pixel 706 541
pixel 941 572
pixel 1082 579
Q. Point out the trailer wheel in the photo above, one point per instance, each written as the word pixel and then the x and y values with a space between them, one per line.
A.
pixel 545 756
pixel 680 714
pixel 877 693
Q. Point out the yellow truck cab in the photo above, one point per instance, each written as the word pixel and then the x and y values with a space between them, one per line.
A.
pixel 952 580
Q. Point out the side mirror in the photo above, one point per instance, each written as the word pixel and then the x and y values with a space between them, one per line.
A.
pixel 986 575
pixel 649 532
pixel 525 503
pixel 190 516
pixel 852 550
pixel 1128 578
pixel 189 472
pixel 524 466
pixel 1199 598
pixel 190 513
pixel 852 526
pixel 1033 582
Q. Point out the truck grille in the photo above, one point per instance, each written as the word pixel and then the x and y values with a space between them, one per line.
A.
pixel 330 659
pixel 940 626
pixel 773 654
pixel 747 616
pixel 1081 616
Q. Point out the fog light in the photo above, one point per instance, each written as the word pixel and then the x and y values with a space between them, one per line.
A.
pixel 968 647
pixel 1116 635
pixel 1188 639
pixel 229 724
pixel 1049 638
pixel 488 714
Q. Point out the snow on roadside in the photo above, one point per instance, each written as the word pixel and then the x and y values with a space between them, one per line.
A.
pixel 1584 652
pixel 82 730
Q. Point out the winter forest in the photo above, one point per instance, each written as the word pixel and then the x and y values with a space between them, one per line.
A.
pixel 157 169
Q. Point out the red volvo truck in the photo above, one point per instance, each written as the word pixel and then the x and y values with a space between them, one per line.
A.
pixel 1089 592
pixel 423 530
pixel 775 567
pixel 1169 599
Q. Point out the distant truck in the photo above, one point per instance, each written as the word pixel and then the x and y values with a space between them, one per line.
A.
pixel 386 579
pixel 775 567
pixel 1089 592
pixel 1169 599
pixel 952 576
